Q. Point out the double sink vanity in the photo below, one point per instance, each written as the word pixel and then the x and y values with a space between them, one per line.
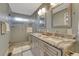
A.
pixel 51 44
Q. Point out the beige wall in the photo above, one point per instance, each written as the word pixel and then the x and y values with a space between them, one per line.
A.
pixel 75 19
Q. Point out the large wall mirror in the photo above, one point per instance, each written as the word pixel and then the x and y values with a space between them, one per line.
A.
pixel 61 15
pixel 41 17
pixel 42 21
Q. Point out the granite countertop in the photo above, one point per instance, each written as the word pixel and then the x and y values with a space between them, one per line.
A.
pixel 62 43
pixel 75 47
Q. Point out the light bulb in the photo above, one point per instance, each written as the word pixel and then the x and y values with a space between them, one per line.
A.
pixel 40 12
pixel 43 10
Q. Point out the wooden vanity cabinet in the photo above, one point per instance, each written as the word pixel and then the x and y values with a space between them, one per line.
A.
pixel 41 48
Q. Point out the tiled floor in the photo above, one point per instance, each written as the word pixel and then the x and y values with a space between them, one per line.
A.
pixel 27 53
pixel 21 49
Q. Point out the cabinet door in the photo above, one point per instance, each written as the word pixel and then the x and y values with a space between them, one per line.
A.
pixel 48 53
pixel 32 41
pixel 41 47
pixel 35 46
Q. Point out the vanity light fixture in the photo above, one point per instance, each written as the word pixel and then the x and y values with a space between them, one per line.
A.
pixel 42 11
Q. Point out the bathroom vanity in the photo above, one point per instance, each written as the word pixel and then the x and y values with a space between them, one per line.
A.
pixel 43 45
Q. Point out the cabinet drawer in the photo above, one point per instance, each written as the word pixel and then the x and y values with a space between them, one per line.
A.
pixel 49 53
pixel 52 49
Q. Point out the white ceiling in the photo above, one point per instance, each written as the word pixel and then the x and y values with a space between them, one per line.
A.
pixel 24 8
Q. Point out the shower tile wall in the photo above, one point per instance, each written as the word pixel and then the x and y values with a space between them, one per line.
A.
pixel 18 32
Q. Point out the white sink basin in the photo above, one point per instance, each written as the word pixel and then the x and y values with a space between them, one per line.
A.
pixel 56 41
pixel 72 40
pixel 65 44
